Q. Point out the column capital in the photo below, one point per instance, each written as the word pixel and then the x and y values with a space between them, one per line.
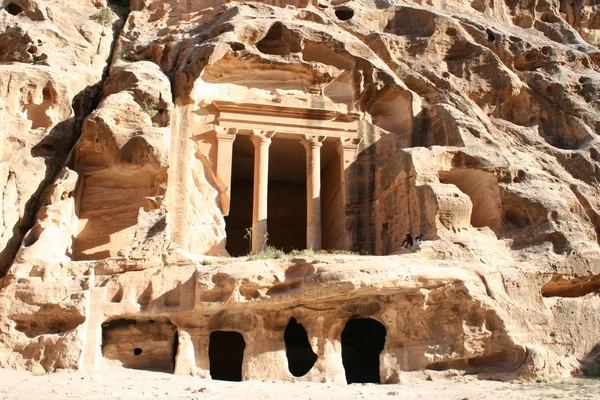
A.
pixel 225 134
pixel 348 144
pixel 259 136
pixel 309 141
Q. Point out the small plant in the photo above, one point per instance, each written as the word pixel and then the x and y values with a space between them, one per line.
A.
pixel 248 237
pixel 400 73
pixel 302 253
pixel 150 107
pixel 344 252
pixel 591 372
pixel 121 55
pixel 269 252
pixel 104 17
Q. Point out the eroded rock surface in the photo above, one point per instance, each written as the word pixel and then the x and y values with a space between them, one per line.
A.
pixel 143 144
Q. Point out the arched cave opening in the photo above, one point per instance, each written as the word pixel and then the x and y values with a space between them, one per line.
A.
pixel 482 188
pixel 517 217
pixel 148 344
pixel 272 43
pixel 299 353
pixel 13 9
pixel 279 41
pixel 226 355
pixel 344 13
pixel 363 340
pixel 120 7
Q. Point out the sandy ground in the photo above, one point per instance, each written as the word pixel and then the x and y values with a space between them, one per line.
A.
pixel 120 383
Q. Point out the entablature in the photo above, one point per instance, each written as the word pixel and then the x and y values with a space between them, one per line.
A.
pixel 245 117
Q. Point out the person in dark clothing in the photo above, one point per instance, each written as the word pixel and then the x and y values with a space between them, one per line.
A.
pixel 420 238
pixel 408 241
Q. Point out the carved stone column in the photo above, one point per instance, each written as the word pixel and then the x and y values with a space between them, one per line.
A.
pixel 313 144
pixel 225 138
pixel 347 149
pixel 261 141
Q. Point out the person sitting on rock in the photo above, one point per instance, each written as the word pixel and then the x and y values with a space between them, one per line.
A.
pixel 420 239
pixel 408 241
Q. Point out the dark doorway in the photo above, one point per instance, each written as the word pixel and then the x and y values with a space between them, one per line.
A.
pixel 300 356
pixel 239 220
pixel 226 355
pixel 363 340
pixel 333 211
pixel 286 221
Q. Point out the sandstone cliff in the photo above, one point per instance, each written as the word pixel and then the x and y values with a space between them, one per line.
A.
pixel 128 157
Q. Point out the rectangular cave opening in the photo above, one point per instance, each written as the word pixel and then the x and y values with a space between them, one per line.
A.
pixel 332 200
pixel 286 221
pixel 240 210
pixel 363 339
pixel 148 344
pixel 226 355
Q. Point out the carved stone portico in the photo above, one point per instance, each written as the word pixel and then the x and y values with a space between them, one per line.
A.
pixel 310 127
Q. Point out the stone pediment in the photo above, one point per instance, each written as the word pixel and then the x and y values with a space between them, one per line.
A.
pixel 286 120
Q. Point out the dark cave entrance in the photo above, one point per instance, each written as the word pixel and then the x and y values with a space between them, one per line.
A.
pixel 13 9
pixel 286 220
pixel 226 355
pixel 286 201
pixel 363 340
pixel 240 210
pixel 148 344
pixel 299 354
pixel 120 7
pixel 344 13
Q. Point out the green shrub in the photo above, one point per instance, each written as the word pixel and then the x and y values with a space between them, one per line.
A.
pixel 302 253
pixel 103 17
pixel 269 252
pixel 591 372
pixel 150 107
